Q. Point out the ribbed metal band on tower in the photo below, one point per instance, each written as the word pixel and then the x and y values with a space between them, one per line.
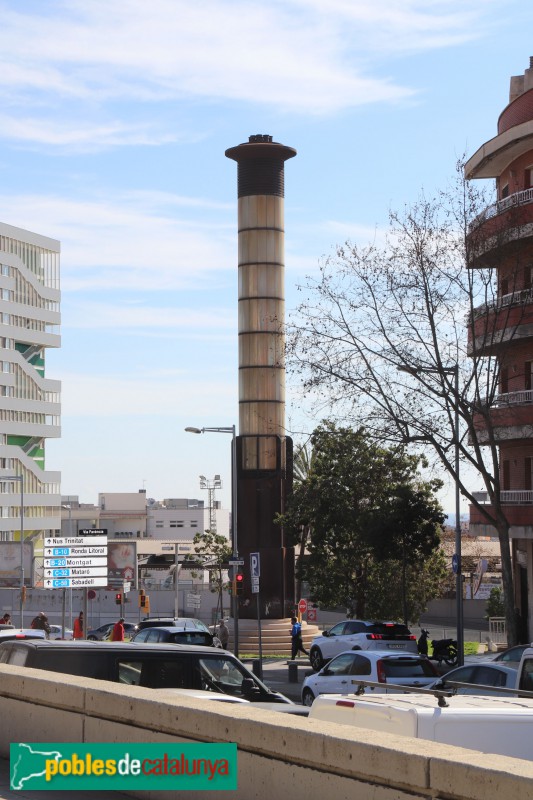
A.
pixel 264 453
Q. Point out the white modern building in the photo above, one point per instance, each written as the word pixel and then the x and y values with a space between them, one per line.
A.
pixel 182 518
pixel 29 401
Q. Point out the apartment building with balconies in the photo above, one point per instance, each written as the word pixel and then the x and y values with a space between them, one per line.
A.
pixel 501 329
pixel 29 400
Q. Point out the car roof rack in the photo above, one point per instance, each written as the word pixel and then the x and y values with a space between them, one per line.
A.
pixel 440 693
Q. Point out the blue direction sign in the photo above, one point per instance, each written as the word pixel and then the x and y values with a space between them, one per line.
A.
pixel 455 563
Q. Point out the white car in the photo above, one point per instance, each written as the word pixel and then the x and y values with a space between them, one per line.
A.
pixel 358 634
pixel 341 674
pixel 56 632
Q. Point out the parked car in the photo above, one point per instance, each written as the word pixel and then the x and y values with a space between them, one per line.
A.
pixel 184 623
pixel 483 674
pixel 171 622
pixel 104 631
pixel 156 666
pixel 56 632
pixel 357 634
pixel 339 674
pixel 176 635
pixel 513 654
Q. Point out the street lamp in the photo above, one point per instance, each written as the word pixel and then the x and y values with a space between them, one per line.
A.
pixel 69 509
pixel 6 479
pixel 234 545
pixel 457 555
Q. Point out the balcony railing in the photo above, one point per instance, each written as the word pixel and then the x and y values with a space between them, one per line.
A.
pixel 516 199
pixel 505 300
pixel 514 398
pixel 520 497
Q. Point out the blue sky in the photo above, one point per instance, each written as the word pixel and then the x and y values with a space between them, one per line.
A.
pixel 114 119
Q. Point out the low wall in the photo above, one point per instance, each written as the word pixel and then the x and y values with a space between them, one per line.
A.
pixel 278 755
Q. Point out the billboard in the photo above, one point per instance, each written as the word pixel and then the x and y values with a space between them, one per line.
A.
pixel 10 554
pixel 121 563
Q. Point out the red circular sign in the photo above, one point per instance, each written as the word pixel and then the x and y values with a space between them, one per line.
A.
pixel 302 606
pixel 91 594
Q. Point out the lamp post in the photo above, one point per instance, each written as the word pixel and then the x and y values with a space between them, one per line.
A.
pixel 64 599
pixel 457 555
pixel 234 545
pixel 5 479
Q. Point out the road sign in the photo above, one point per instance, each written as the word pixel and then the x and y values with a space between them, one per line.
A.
pixel 236 562
pixel 76 541
pixel 126 587
pixel 76 572
pixel 302 606
pixel 455 563
pixel 255 565
pixel 54 563
pixel 100 550
pixel 76 561
pixel 311 614
pixel 94 532
pixel 255 585
pixel 74 583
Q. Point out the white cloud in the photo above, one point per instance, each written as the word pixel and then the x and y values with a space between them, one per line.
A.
pixel 307 56
pixel 146 240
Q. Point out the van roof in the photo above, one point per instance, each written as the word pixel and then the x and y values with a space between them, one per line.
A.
pixel 128 647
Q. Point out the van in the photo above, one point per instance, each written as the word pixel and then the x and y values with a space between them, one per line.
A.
pixel 156 666
pixel 489 724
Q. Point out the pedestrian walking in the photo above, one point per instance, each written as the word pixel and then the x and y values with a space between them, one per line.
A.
pixel 223 633
pixel 117 634
pixel 78 626
pixel 296 639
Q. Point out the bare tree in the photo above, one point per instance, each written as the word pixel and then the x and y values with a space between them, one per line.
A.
pixel 403 337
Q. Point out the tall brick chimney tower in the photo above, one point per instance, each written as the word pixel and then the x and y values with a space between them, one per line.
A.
pixel 264 452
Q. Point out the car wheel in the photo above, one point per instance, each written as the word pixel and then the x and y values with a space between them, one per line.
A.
pixel 315 657
pixel 91 638
pixel 307 697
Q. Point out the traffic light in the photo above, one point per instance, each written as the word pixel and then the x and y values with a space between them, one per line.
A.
pixel 142 598
pixel 118 598
pixel 239 583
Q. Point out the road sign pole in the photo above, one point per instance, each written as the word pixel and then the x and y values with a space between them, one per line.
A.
pixel 259 636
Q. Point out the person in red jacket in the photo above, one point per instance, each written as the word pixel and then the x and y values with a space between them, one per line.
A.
pixel 117 634
pixel 78 626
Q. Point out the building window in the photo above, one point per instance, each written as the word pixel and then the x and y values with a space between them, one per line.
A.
pixel 159 523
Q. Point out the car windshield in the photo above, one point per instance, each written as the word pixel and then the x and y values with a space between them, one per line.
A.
pixel 408 668
pixel 389 629
pixel 224 675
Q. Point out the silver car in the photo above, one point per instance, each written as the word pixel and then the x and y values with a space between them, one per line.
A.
pixel 341 674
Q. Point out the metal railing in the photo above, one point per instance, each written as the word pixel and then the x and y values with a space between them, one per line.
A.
pixel 509 497
pixel 505 301
pixel 517 199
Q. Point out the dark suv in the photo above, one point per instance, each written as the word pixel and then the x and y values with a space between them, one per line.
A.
pixel 156 666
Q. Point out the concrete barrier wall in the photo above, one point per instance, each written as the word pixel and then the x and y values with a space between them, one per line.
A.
pixel 279 755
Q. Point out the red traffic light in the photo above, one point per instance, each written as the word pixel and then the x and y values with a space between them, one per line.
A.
pixel 239 582
pixel 118 598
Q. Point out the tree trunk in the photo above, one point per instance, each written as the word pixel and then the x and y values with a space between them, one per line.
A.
pixel 508 583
